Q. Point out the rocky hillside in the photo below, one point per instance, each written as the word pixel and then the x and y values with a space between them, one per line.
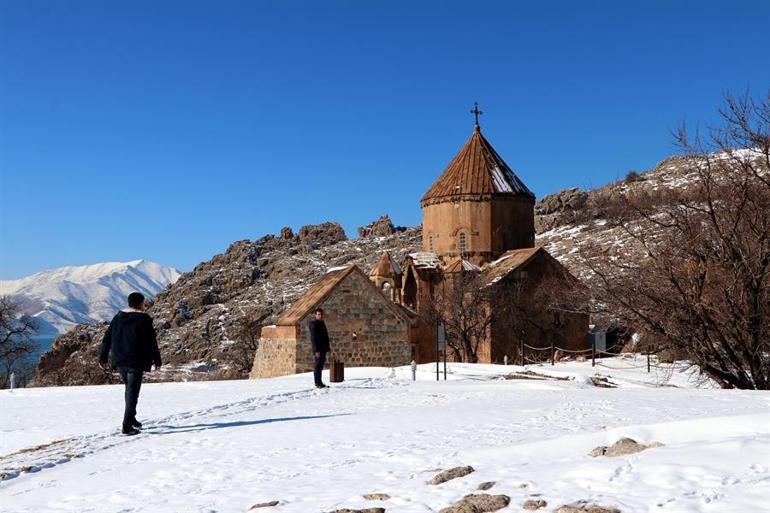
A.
pixel 208 321
pixel 567 220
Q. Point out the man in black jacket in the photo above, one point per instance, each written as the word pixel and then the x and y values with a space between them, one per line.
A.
pixel 131 337
pixel 319 341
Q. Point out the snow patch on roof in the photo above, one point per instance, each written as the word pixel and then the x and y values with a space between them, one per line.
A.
pixel 499 181
pixel 470 266
pixel 513 182
pixel 394 264
pixel 501 259
pixel 425 260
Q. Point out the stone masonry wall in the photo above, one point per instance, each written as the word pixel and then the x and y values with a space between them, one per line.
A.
pixel 276 354
pixel 382 337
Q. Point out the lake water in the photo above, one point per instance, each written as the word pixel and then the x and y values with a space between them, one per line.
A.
pixel 42 344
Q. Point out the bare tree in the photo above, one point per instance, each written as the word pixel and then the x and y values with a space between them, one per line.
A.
pixel 462 306
pixel 16 345
pixel 700 284
pixel 516 307
pixel 538 308
pixel 241 354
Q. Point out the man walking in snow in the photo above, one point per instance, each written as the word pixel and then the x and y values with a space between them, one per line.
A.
pixel 131 338
pixel 319 341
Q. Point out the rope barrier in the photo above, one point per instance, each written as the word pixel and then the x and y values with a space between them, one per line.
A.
pixel 537 348
pixel 556 348
pixel 595 355
pixel 573 351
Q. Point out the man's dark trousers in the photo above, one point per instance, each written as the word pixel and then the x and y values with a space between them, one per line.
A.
pixel 133 380
pixel 320 361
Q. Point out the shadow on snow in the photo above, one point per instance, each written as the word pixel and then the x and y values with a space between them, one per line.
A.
pixel 168 429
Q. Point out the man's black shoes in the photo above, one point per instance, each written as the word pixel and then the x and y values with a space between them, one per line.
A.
pixel 133 429
pixel 320 385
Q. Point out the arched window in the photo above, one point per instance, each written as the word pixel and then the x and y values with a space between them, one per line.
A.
pixel 430 243
pixel 410 290
pixel 387 290
pixel 463 243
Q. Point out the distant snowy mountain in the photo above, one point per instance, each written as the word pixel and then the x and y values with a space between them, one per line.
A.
pixel 61 298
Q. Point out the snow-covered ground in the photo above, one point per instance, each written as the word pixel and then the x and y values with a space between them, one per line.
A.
pixel 225 446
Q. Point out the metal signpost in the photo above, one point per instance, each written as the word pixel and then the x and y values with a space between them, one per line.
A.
pixel 440 347
pixel 444 362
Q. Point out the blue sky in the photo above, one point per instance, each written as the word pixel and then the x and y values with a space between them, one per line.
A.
pixel 166 130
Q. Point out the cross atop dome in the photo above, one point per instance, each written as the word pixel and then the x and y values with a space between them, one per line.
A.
pixel 476 112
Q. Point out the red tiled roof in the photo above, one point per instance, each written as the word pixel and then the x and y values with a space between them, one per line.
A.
pixel 477 169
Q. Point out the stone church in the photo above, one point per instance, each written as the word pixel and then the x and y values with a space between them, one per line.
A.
pixel 478 217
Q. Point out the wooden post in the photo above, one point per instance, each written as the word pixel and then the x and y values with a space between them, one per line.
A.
pixel 521 345
pixel 648 361
pixel 553 352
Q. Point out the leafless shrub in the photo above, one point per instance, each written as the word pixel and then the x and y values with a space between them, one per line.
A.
pixel 463 307
pixel 16 346
pixel 240 356
pixel 701 284
pixel 531 307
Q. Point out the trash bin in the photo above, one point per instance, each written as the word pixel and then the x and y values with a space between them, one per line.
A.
pixel 337 372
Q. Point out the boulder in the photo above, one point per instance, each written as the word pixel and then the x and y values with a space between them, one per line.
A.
pixel 568 199
pixel 533 504
pixel 585 507
pixel 323 234
pixel 377 496
pixel 265 505
pixel 379 228
pixel 452 473
pixel 622 447
pixel 478 503
pixel 602 382
pixel 365 510
pixel 486 485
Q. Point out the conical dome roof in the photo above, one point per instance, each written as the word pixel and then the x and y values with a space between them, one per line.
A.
pixel 386 267
pixel 476 170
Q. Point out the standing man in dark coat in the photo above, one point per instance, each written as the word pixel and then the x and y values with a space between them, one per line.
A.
pixel 131 337
pixel 319 341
